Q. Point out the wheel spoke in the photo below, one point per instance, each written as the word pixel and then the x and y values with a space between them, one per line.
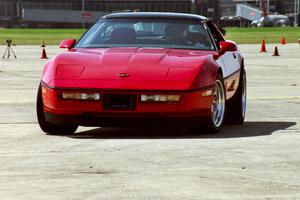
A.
pixel 218 105
pixel 244 95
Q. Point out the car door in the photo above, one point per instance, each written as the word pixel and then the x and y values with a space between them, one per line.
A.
pixel 229 62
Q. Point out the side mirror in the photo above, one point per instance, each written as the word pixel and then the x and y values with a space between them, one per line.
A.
pixel 67 44
pixel 226 46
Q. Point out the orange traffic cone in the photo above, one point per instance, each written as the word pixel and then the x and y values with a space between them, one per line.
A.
pixel 282 40
pixel 44 54
pixel 263 47
pixel 43 44
pixel 276 53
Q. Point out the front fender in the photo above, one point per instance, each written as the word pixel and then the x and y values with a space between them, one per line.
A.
pixel 206 75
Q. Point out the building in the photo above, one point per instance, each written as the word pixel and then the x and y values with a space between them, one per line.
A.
pixel 78 13
pixel 8 12
pixel 228 7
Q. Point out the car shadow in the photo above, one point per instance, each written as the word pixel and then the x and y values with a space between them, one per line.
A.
pixel 249 129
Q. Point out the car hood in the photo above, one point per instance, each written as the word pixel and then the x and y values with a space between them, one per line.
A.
pixel 127 68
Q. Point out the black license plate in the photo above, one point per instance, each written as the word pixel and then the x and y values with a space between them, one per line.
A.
pixel 119 102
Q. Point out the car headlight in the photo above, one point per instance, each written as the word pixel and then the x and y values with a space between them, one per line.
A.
pixel 160 98
pixel 81 96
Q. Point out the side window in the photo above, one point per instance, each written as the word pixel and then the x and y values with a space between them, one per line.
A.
pixel 199 36
pixel 216 34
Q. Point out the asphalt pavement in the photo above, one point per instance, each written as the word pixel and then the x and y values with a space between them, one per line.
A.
pixel 259 160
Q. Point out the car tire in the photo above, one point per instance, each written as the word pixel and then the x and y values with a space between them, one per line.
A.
pixel 214 122
pixel 50 128
pixel 236 106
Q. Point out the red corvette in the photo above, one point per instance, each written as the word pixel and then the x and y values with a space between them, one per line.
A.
pixel 144 69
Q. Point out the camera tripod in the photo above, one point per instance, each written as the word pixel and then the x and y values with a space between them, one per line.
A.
pixel 9 50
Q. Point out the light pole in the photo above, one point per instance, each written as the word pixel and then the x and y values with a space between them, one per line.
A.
pixel 18 8
pixel 82 14
pixel 296 13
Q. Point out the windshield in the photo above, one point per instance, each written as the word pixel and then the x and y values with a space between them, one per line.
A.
pixel 158 33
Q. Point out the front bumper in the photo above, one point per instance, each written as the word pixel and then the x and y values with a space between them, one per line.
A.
pixel 192 109
pixel 149 120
